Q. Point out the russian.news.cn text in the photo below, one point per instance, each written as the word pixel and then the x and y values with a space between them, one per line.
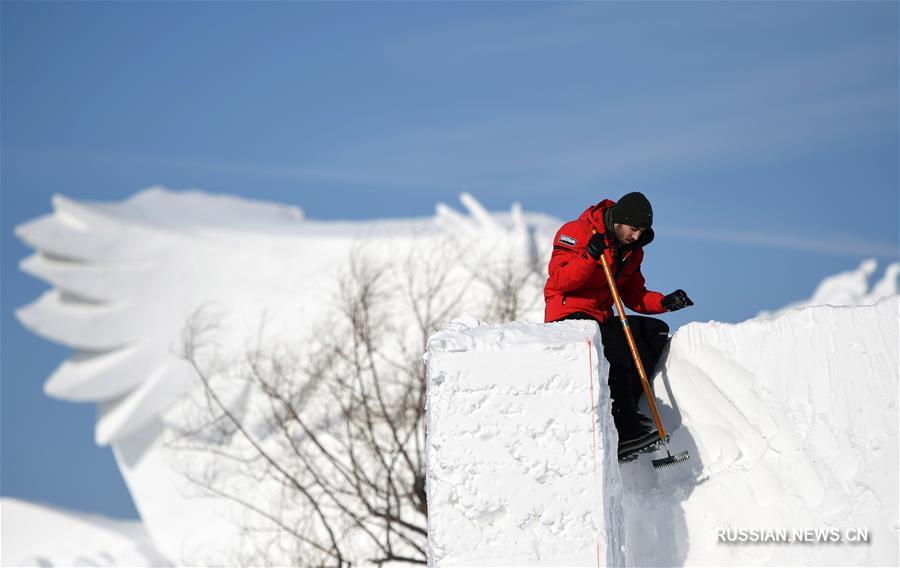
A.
pixel 792 536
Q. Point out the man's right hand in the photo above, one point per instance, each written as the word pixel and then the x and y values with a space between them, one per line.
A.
pixel 596 245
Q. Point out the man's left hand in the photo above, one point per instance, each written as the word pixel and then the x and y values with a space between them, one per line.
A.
pixel 676 300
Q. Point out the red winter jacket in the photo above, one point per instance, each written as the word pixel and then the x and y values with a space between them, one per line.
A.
pixel 577 282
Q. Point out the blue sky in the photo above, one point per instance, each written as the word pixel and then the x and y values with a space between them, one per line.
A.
pixel 765 134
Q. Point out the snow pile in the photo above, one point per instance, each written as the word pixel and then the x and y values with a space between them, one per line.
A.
pixel 521 448
pixel 852 288
pixel 36 535
pixel 792 425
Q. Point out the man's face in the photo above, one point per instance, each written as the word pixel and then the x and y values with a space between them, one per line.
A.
pixel 627 234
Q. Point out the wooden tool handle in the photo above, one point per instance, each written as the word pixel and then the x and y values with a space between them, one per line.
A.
pixel 631 345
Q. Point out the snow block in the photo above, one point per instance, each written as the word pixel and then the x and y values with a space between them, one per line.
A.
pixel 521 448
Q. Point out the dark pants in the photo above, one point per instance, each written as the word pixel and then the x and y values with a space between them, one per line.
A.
pixel 650 335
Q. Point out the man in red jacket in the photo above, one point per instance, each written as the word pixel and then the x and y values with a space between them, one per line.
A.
pixel 577 289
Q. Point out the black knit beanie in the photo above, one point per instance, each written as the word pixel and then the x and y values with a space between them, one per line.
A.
pixel 633 209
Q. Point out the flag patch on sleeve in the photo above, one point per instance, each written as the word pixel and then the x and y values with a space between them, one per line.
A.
pixel 566 239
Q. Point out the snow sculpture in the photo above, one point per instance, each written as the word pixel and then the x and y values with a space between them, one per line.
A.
pixel 790 419
pixel 127 276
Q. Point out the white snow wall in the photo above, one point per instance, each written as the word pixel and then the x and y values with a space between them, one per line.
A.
pixel 792 424
pixel 521 450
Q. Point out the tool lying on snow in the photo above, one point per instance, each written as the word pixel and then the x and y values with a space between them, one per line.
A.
pixel 663 437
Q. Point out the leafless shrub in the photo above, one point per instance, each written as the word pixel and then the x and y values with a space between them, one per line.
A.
pixel 322 448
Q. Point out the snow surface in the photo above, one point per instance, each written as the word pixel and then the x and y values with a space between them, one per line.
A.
pixel 791 419
pixel 38 535
pixel 521 451
pixel 791 423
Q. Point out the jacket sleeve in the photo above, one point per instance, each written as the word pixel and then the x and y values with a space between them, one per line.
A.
pixel 570 265
pixel 636 296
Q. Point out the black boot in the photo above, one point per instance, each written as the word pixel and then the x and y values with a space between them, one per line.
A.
pixel 636 437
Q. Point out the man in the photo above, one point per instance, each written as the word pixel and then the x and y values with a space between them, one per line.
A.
pixel 577 289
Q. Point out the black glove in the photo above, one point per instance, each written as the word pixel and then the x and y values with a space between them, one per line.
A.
pixel 596 245
pixel 676 300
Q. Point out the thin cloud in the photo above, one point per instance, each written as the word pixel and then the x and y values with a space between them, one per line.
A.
pixel 849 246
